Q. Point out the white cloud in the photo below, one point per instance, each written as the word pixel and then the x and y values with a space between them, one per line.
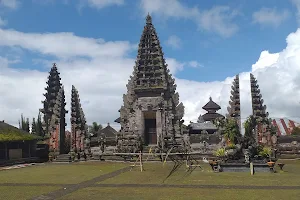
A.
pixel 2 22
pixel 101 79
pixel 174 42
pixel 51 44
pixel 266 59
pixel 297 4
pixel 12 4
pixel 270 16
pixel 99 4
pixel 218 19
pixel 194 64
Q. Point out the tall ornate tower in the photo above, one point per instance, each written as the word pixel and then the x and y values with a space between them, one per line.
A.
pixel 259 112
pixel 151 113
pixel 78 123
pixel 54 111
pixel 234 108
pixel 258 108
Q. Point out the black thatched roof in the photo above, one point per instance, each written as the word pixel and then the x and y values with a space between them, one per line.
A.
pixel 211 105
pixel 203 126
pixel 108 131
pixel 211 116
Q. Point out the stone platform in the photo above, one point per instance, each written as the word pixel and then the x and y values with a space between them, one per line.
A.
pixel 241 167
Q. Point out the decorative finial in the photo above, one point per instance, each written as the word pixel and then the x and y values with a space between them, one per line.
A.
pixel 210 98
pixel 54 64
pixel 148 19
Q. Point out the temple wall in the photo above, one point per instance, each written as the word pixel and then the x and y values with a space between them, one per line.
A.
pixel 288 145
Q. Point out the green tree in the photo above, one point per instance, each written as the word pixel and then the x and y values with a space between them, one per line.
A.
pixel 229 128
pixel 39 126
pixel 296 131
pixel 33 127
pixel 94 128
pixel 24 124
pixel 249 126
pixel 27 126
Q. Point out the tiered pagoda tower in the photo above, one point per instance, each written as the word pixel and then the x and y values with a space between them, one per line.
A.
pixel 54 112
pixel 78 123
pixel 234 108
pixel 151 114
pixel 211 107
pixel 259 110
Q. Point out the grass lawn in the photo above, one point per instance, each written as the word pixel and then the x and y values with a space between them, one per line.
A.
pixel 179 193
pixel 59 173
pixel 155 173
pixel 23 192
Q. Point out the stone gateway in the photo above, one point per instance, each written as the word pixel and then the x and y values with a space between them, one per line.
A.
pixel 151 114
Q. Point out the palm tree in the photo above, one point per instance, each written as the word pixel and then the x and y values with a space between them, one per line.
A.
pixel 94 128
pixel 229 128
pixel 231 131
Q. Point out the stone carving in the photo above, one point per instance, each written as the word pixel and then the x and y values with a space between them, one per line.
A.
pixel 78 124
pixel 247 156
pixel 234 109
pixel 150 103
pixel 150 88
pixel 54 111
pixel 264 127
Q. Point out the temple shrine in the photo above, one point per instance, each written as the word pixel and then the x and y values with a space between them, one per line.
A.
pixel 205 123
pixel 151 114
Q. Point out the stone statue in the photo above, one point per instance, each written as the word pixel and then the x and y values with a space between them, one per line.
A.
pixel 247 156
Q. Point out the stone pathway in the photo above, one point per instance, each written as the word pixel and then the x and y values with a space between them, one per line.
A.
pixel 17 166
pixel 71 188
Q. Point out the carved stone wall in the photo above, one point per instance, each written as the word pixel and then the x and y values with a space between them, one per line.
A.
pixel 150 88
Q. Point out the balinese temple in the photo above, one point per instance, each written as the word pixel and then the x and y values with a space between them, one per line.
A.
pixel 151 113
pixel 211 107
pixel 234 108
pixel 54 111
pixel 204 123
pixel 108 133
pixel 78 123
pixel 263 135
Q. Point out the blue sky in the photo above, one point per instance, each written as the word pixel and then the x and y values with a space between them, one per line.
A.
pixel 94 43
pixel 220 56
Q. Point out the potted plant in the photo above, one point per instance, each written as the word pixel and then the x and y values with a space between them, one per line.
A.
pixel 266 153
pixel 213 164
pixel 220 153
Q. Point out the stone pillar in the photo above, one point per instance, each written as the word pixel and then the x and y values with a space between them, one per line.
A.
pixel 140 122
pixel 158 125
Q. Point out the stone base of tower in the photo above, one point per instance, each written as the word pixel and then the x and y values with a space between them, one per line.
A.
pixel 151 124
pixel 55 143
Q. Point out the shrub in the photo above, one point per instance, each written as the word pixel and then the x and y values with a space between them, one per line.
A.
pixel 266 152
pixel 231 146
pixel 220 152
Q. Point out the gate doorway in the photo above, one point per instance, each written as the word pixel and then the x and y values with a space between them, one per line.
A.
pixel 150 128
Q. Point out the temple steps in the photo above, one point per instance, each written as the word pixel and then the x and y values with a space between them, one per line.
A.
pixel 63 158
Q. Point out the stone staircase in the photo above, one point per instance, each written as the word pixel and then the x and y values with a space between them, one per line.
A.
pixel 63 158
